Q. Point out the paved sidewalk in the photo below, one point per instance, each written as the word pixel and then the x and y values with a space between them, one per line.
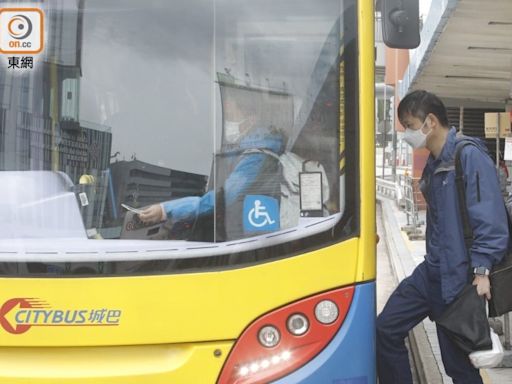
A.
pixel 405 255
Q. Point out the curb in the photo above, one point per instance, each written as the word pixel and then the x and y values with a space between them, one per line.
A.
pixel 402 264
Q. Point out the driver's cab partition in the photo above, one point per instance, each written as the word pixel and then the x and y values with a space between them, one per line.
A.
pixel 245 186
pixel 258 184
pixel 255 175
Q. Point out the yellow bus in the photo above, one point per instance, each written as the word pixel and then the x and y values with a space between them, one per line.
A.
pixel 187 191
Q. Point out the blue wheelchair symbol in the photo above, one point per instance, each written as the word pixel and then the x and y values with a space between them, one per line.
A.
pixel 261 213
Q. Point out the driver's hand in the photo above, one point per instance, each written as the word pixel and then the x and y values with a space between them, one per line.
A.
pixel 152 214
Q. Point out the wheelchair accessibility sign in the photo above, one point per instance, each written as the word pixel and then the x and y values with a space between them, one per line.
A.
pixel 261 213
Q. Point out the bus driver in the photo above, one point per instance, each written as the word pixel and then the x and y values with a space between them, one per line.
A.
pixel 252 172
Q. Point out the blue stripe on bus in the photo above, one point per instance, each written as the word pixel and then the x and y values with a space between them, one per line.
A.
pixel 350 356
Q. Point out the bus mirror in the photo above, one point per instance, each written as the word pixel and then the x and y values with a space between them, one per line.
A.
pixel 400 23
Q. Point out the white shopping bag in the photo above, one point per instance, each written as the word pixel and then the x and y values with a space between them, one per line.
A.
pixel 489 358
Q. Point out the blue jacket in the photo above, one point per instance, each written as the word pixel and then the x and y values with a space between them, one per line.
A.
pixel 187 209
pixel 444 234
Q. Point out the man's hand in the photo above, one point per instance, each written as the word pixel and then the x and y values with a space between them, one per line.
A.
pixel 483 285
pixel 152 214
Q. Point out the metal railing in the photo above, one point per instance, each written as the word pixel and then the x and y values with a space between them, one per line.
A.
pixel 411 208
pixel 387 189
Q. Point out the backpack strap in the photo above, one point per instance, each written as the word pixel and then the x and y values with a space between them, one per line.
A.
pixel 461 192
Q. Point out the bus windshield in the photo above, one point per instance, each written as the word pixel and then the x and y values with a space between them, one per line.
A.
pixel 166 129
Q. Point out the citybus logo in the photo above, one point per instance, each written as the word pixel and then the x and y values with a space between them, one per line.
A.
pixel 21 30
pixel 18 315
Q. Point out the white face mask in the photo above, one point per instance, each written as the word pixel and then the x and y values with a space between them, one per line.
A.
pixel 232 130
pixel 415 137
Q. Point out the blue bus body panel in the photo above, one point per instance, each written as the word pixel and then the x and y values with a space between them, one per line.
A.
pixel 350 356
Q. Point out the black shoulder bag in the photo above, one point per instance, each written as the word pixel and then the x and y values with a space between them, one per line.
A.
pixel 465 319
pixel 501 274
pixel 501 281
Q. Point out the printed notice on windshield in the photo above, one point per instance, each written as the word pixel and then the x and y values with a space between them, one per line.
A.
pixel 310 194
pixel 132 209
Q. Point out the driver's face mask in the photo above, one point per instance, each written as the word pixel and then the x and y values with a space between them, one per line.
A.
pixel 232 131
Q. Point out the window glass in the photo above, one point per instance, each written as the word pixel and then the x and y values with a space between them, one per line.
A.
pixel 183 121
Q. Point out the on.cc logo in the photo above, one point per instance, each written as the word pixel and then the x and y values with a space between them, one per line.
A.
pixel 19 27
pixel 21 30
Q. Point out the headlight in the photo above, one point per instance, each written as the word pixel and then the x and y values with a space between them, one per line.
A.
pixel 326 312
pixel 297 324
pixel 269 336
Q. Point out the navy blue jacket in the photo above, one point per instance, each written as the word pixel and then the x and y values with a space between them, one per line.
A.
pixel 487 216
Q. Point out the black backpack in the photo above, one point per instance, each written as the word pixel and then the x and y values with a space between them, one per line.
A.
pixel 501 274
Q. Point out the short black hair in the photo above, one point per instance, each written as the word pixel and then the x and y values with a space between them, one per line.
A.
pixel 419 104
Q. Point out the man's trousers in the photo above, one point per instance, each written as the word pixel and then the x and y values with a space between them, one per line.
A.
pixel 415 298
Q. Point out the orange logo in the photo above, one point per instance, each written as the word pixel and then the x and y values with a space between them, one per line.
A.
pixel 21 30
pixel 15 305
